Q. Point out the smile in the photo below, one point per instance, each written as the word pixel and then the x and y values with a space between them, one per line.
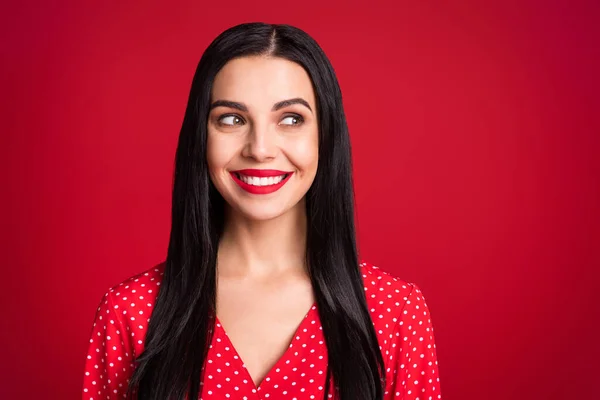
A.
pixel 260 181
pixel 256 181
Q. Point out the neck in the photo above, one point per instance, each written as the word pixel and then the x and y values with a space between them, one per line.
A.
pixel 262 248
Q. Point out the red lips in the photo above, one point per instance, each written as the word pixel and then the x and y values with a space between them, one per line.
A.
pixel 260 173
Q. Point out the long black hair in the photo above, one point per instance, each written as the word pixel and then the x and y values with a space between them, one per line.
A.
pixel 181 324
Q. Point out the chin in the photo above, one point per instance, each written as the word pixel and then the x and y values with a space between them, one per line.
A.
pixel 265 216
pixel 259 213
pixel 266 209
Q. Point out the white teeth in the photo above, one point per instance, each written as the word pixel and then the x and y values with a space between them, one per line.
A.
pixel 264 181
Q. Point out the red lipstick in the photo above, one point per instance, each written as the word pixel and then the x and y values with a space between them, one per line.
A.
pixel 253 174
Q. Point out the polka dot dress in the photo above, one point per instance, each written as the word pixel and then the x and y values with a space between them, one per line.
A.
pixel 398 310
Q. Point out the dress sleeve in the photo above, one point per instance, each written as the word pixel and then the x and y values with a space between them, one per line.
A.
pixel 413 368
pixel 109 361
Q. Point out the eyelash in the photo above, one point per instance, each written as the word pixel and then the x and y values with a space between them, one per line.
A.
pixel 296 116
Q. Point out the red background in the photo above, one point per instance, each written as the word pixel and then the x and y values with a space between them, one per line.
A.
pixel 476 144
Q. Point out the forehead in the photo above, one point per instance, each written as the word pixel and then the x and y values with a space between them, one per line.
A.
pixel 260 81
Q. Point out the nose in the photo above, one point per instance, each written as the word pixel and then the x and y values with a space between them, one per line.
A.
pixel 261 144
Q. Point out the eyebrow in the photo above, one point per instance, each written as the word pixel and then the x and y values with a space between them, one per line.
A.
pixel 277 106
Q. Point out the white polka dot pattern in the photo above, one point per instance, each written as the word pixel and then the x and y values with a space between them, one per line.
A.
pixel 400 317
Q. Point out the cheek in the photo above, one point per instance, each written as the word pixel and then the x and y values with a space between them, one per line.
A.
pixel 218 152
pixel 304 153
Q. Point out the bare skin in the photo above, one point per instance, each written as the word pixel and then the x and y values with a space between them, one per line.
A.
pixel 263 288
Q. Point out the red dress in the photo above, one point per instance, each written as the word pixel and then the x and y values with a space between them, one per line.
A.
pixel 398 310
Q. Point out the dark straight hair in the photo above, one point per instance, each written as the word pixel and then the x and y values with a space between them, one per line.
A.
pixel 181 324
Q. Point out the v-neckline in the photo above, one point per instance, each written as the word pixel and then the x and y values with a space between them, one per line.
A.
pixel 256 387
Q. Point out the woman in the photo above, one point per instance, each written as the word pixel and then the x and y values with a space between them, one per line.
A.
pixel 262 295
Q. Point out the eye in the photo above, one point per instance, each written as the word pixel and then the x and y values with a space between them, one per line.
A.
pixel 292 120
pixel 230 120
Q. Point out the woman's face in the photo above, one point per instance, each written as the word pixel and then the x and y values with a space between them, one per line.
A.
pixel 263 142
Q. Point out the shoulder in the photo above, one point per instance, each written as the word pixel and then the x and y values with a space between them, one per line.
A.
pixel 131 302
pixel 391 301
pixel 383 288
pixel 134 296
pixel 404 331
pixel 118 332
pixel 145 283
